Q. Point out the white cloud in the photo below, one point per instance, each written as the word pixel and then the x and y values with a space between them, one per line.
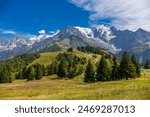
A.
pixel 42 32
pixel 124 14
pixel 7 32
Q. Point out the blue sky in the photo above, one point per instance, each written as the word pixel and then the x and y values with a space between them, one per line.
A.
pixel 30 16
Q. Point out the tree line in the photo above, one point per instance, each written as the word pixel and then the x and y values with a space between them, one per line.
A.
pixel 128 67
pixel 10 67
pixel 68 65
pixel 147 65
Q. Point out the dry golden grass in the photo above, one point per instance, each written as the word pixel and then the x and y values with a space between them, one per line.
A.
pixel 47 58
pixel 55 89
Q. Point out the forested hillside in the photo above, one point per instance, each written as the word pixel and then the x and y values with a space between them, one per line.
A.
pixel 94 64
pixel 10 67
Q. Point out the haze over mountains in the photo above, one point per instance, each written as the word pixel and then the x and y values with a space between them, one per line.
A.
pixel 108 38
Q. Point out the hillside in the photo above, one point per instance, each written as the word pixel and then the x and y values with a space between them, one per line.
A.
pixel 51 87
pixel 47 58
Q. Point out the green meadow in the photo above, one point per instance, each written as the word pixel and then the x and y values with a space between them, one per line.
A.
pixel 51 88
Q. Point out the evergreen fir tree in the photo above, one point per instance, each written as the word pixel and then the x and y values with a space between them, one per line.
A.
pixel 127 68
pixel 103 71
pixel 89 73
pixel 31 73
pixel 51 69
pixel 43 70
pixel 115 69
pixel 39 71
pixel 147 65
pixel 24 73
pixel 6 76
pixel 62 68
pixel 137 65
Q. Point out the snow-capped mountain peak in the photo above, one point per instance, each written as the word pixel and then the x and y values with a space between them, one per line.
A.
pixel 86 31
pixel 103 32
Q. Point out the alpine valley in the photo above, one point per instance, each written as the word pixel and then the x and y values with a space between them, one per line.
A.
pixel 108 38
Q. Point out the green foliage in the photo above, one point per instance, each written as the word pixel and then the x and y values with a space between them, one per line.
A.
pixel 6 76
pixel 67 65
pixel 127 68
pixel 147 65
pixel 137 65
pixel 62 69
pixel 115 69
pixel 89 73
pixel 73 62
pixel 95 50
pixel 52 69
pixel 31 73
pixel 70 49
pixel 71 58
pixel 52 48
pixel 75 71
pixel 34 72
pixel 39 71
pixel 103 70
pixel 19 62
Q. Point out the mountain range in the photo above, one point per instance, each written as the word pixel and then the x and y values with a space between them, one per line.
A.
pixel 108 38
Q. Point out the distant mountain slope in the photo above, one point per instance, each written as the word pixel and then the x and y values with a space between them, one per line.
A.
pixel 108 38
pixel 137 42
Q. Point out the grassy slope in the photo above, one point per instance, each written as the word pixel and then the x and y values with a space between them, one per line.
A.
pixel 51 88
pixel 47 58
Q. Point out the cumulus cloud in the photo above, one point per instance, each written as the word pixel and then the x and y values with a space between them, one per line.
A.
pixel 122 14
pixel 42 32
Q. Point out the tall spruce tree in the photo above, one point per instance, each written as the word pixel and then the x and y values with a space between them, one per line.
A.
pixel 24 73
pixel 39 72
pixel 137 65
pixel 31 73
pixel 51 69
pixel 6 76
pixel 89 73
pixel 103 71
pixel 147 65
pixel 127 68
pixel 62 69
pixel 115 69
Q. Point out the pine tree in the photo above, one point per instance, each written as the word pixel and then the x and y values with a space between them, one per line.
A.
pixel 137 65
pixel 6 76
pixel 39 72
pixel 31 73
pixel 62 68
pixel 127 68
pixel 24 73
pixel 70 49
pixel 89 73
pixel 103 71
pixel 147 65
pixel 115 69
pixel 51 69
pixel 43 70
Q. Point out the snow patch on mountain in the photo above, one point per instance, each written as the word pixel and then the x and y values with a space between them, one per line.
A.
pixel 102 31
pixel 87 32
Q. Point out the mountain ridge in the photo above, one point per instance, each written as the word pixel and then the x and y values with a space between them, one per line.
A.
pixel 108 38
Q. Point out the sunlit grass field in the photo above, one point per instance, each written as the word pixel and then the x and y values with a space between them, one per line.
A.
pixel 51 88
